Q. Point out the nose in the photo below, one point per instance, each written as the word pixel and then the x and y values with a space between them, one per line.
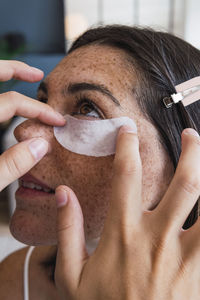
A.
pixel 33 128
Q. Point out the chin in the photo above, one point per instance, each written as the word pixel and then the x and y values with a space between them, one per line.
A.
pixel 28 228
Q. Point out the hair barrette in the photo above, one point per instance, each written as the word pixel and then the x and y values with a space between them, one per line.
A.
pixel 188 92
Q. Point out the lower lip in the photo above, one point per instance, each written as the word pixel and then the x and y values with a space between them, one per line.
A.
pixel 22 191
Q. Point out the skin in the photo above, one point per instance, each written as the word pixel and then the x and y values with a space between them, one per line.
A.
pixel 152 246
pixel 34 222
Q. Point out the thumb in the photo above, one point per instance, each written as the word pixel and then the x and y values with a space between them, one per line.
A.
pixel 72 252
pixel 19 159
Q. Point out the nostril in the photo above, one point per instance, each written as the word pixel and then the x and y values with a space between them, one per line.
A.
pixel 16 133
pixel 19 132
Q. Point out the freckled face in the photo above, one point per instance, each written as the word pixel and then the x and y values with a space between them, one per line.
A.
pixel 34 220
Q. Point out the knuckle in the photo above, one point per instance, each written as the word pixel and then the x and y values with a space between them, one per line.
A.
pixel 189 183
pixel 16 63
pixel 127 233
pixel 161 239
pixel 125 166
pixel 64 228
pixel 12 95
pixel 14 163
pixel 161 246
pixel 127 138
pixel 126 237
pixel 128 135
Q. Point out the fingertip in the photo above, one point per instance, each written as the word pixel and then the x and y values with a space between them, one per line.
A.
pixel 127 141
pixel 38 147
pixel 61 196
pixel 190 131
pixel 37 71
pixel 59 117
pixel 128 129
pixel 23 71
pixel 64 188
pixel 127 135
pixel 188 137
pixel 34 74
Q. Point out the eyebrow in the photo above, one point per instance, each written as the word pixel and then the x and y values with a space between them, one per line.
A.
pixel 82 86
pixel 85 86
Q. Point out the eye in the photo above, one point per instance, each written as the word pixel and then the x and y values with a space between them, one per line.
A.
pixel 87 108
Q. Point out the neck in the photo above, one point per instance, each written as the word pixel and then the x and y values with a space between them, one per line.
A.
pixel 47 256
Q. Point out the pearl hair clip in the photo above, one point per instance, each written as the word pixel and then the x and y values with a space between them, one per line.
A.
pixel 188 92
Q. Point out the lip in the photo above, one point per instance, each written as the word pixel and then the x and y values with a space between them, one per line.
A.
pixel 30 178
pixel 27 193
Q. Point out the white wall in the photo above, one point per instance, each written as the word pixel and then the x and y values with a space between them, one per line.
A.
pixel 116 11
pixel 155 13
pixel 192 22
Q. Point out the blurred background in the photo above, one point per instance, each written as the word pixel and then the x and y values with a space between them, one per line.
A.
pixel 39 33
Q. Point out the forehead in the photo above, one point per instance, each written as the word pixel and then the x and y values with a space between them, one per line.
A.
pixel 95 64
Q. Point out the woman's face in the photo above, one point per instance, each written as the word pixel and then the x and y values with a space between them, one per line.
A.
pixel 34 220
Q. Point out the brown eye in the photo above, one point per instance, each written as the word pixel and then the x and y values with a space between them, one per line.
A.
pixel 85 109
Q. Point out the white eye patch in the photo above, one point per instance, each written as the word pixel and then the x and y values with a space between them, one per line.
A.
pixel 91 138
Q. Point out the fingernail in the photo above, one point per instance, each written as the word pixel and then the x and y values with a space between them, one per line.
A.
pixel 128 128
pixel 61 197
pixel 37 70
pixel 38 148
pixel 191 131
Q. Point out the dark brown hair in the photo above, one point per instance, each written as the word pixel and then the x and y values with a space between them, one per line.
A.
pixel 161 61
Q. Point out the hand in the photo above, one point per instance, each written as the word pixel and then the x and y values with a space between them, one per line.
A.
pixel 141 254
pixel 16 161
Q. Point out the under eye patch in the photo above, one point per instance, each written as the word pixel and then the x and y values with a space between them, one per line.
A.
pixel 91 137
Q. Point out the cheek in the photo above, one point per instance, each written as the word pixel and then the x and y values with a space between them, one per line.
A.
pixel 85 172
pixel 90 179
pixel 157 171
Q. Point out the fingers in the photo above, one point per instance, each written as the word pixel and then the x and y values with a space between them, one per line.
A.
pixel 20 158
pixel 70 234
pixel 191 243
pixel 13 103
pixel 125 205
pixel 184 189
pixel 18 70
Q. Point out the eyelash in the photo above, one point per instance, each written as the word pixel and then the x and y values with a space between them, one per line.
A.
pixel 79 101
pixel 83 100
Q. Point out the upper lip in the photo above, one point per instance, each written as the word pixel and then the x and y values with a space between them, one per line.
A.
pixel 30 178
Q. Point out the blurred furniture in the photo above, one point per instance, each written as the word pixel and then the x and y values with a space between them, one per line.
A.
pixel 40 22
